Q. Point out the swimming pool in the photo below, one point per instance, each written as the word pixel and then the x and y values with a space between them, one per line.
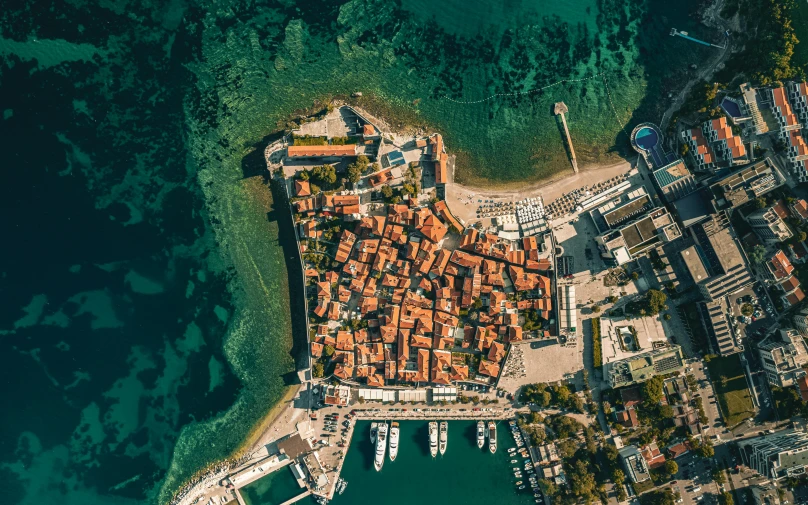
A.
pixel 646 138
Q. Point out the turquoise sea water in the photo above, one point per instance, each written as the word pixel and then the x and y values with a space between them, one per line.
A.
pixel 465 474
pixel 148 319
pixel 274 489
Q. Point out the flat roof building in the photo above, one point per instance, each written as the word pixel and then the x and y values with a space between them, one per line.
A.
pixel 644 366
pixel 744 185
pixel 724 340
pixel 715 262
pixel 768 225
pixel 674 181
pixel 631 240
pixel 778 455
pixel 634 464
pixel 783 354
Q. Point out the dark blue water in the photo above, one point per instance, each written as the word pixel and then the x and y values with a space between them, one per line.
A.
pixel 145 322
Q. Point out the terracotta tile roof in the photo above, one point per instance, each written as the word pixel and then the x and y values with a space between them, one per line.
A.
pixel 443 211
pixel 302 188
pixel 465 259
pixel 489 368
pixel 780 266
pixel 316 349
pixel 790 284
pixel 796 297
pixel 800 207
pixel 321 151
pixel 496 352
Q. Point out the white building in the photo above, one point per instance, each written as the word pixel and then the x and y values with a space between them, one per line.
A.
pixel 778 455
pixel 783 355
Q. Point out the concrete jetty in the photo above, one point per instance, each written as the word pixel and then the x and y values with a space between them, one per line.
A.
pixel 560 110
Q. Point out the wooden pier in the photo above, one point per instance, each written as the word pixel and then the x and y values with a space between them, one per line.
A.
pixel 560 110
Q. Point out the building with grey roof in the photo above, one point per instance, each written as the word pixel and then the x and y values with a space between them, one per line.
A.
pixel 744 185
pixel 716 262
pixel 641 367
pixel 724 340
pixel 778 455
pixel 674 181
pixel 638 236
pixel 783 354
pixel 634 464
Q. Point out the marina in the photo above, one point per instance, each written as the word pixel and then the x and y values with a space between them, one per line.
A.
pixel 462 480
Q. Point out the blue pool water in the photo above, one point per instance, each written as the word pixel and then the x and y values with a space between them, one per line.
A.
pixel 731 107
pixel 647 138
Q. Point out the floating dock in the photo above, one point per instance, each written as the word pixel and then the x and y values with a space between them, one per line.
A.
pixel 684 35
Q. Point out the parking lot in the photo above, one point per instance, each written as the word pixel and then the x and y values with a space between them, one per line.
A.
pixel 760 321
pixel 694 481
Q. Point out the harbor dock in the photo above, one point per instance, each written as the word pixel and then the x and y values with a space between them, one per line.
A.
pixel 561 109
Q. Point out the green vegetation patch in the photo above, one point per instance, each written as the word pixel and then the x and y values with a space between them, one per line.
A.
pixel 308 140
pixel 731 389
pixel 597 346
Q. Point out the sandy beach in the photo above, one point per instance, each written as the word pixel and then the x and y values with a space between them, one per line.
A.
pixel 462 199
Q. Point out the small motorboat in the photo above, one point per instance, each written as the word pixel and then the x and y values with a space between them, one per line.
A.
pixel 518 482
pixel 514 461
pixel 521 487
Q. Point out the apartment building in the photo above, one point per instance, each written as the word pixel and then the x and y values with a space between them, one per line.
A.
pixel 783 354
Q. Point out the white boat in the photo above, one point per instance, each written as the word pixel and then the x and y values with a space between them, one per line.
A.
pixel 514 461
pixel 341 485
pixel 374 428
pixel 433 438
pixel 381 446
pixel 393 441
pixel 492 437
pixel 480 434
pixel 444 434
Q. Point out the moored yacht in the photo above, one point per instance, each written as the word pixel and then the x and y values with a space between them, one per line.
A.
pixel 393 441
pixel 381 446
pixel 374 428
pixel 433 438
pixel 492 437
pixel 480 434
pixel 444 435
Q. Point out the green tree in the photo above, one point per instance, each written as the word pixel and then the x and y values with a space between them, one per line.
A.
pixel 758 254
pixel 354 173
pixel 667 317
pixel 635 276
pixel 718 476
pixel 329 350
pixel 318 370
pixel 387 191
pixel 706 450
pixel 725 498
pixel 612 299
pixel 671 467
pixel 656 301
pixel 618 477
pixel 652 392
pixel 760 203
